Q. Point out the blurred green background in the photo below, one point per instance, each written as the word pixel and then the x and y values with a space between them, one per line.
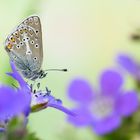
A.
pixel 83 36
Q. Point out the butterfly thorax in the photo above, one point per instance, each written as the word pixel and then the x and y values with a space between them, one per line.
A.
pixel 33 75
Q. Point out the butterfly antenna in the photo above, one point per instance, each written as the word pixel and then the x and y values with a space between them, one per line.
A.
pixel 64 70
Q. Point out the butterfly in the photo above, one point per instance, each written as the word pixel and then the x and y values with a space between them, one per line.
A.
pixel 25 49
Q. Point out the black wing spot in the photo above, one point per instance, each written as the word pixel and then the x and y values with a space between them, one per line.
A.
pixel 23 39
pixel 32 42
pixel 35 58
pixel 37 31
pixel 18 46
pixel 28 38
pixel 36 45
pixel 21 43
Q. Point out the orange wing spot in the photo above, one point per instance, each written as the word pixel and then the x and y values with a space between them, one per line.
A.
pixel 9 46
pixel 12 39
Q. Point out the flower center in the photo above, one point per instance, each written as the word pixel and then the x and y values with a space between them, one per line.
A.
pixel 102 107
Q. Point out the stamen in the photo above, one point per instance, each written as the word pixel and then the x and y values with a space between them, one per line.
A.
pixel 48 91
pixel 36 96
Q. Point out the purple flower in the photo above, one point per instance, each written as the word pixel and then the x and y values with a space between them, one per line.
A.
pixel 102 110
pixel 131 65
pixel 14 102
pixel 40 99
pixel 43 99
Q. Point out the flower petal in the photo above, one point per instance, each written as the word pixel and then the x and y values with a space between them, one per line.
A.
pixel 13 102
pixel 2 129
pixel 83 118
pixel 42 100
pixel 42 97
pixel 110 81
pixel 127 103
pixel 80 90
pixel 62 108
pixel 17 76
pixel 106 125
pixel 128 63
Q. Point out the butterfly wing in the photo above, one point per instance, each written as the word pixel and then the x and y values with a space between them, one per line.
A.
pixel 24 45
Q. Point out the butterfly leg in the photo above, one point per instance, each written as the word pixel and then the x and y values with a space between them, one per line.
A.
pixel 32 90
pixel 38 85
pixel 42 74
pixel 31 87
